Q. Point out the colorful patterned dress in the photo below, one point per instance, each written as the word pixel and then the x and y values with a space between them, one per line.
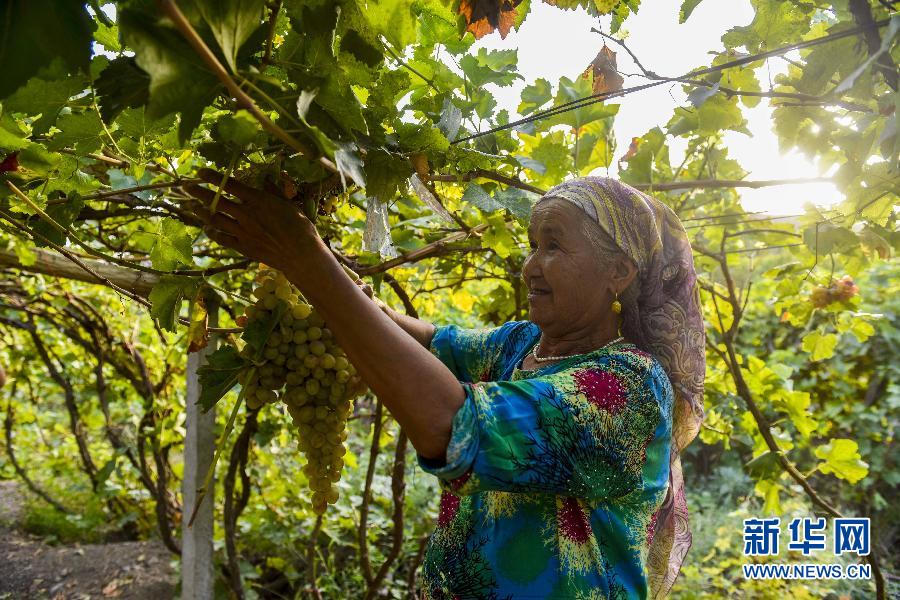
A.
pixel 553 476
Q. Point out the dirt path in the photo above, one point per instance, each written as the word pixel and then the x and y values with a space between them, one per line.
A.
pixel 31 569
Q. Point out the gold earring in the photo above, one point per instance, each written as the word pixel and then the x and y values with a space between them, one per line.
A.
pixel 616 305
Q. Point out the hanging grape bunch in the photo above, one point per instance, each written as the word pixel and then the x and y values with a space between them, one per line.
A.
pixel 302 366
pixel 840 290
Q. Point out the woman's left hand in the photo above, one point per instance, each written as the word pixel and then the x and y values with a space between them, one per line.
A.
pixel 261 226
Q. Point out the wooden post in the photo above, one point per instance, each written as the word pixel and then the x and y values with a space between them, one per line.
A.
pixel 197 574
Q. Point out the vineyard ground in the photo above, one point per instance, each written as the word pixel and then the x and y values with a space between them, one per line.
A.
pixel 31 568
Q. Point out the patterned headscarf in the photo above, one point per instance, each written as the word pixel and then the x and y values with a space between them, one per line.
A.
pixel 664 319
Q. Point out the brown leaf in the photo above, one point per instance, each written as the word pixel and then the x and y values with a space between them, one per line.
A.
pixel 603 69
pixel 420 163
pixel 112 589
pixel 198 334
pixel 632 149
pixel 486 16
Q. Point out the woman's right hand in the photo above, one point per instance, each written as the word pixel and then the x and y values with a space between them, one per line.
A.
pixel 257 224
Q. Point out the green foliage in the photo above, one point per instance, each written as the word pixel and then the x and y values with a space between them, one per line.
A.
pixel 219 375
pixel 21 58
pixel 842 460
pixel 105 145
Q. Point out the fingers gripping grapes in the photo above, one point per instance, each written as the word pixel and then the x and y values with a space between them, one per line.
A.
pixel 254 222
pixel 303 367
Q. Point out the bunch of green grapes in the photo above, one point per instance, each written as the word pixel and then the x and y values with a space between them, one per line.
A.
pixel 302 366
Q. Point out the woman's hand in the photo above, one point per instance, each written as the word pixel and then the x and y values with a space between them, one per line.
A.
pixel 270 229
pixel 259 225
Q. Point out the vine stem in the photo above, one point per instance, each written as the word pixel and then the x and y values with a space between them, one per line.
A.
pixel 765 430
pixel 69 233
pixel 171 10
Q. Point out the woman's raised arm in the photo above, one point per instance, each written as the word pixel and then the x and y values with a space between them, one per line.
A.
pixel 421 393
pixel 421 331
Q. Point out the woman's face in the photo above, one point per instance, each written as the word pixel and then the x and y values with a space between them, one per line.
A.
pixel 569 286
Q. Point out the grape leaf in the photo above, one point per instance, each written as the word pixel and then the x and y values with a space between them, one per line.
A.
pixel 842 459
pixel 394 20
pixel 593 7
pixel 239 129
pixel 232 23
pixel 516 201
pixel 179 80
pixel 477 195
pixel 421 138
pixel 257 331
pixel 687 8
pixel 385 174
pixel 534 96
pixel 135 123
pixel 166 296
pixel 570 91
pixel 765 466
pixel 219 375
pixel 122 84
pixel 108 37
pixel 820 346
pixel 652 155
pixel 358 46
pixel 497 237
pixel 81 131
pixel 12 137
pixel 701 94
pixel 37 32
pixel 774 24
pixel 172 247
pixel 44 97
pixel 494 66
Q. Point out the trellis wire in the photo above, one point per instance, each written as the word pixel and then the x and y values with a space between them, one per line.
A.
pixel 594 98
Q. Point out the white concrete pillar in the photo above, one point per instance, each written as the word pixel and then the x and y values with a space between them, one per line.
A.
pixel 197 575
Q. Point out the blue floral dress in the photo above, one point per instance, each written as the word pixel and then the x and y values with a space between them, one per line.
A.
pixel 553 476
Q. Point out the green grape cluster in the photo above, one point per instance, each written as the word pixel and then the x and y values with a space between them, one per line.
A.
pixel 302 366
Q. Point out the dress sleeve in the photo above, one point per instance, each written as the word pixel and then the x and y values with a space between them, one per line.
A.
pixel 470 354
pixel 594 432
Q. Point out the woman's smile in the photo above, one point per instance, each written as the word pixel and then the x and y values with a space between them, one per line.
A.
pixel 538 293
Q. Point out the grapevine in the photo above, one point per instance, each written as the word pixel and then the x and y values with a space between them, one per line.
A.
pixel 302 366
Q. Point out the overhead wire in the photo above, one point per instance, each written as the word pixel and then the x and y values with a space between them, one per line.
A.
pixel 599 97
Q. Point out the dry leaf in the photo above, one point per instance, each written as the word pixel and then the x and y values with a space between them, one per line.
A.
pixel 486 16
pixel 420 164
pixel 632 149
pixel 603 69
pixel 198 334
pixel 112 589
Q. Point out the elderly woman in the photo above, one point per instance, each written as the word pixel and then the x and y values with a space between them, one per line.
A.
pixel 556 440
